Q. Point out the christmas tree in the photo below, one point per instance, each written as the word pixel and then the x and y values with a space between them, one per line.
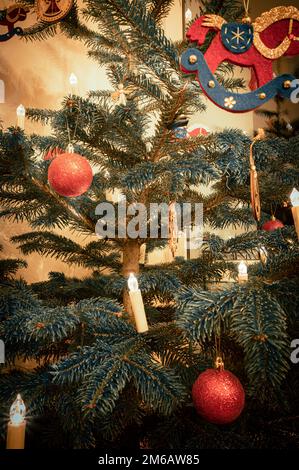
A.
pixel 96 380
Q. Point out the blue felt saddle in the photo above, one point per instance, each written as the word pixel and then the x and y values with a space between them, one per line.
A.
pixel 237 37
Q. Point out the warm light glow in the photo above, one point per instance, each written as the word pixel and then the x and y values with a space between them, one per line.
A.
pixel 294 198
pixel 188 15
pixel 133 283
pixel 21 110
pixel 242 268
pixel 17 411
pixel 73 79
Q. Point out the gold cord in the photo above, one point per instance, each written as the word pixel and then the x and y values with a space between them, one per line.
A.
pixel 219 364
pixel 246 6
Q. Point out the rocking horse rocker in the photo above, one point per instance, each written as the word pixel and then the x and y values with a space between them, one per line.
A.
pixel 9 17
pixel 256 45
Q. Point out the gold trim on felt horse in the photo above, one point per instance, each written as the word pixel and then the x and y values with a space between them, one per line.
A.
pixel 278 13
pixel 213 21
pixel 268 18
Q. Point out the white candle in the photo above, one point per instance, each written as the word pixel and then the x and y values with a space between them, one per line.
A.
pixel 188 15
pixel 242 272
pixel 17 425
pixel 73 82
pixel 21 112
pixel 137 304
pixel 294 197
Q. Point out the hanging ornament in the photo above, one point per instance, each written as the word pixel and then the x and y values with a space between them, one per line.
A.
pixel 70 174
pixel 256 45
pixel 272 224
pixel 120 95
pixel 254 185
pixel 52 10
pixel 188 15
pixel 218 395
pixel 9 17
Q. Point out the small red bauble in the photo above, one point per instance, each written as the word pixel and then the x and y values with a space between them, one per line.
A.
pixel 272 224
pixel 218 396
pixel 198 129
pixel 70 175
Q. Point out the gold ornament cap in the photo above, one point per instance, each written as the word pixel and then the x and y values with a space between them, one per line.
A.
pixel 219 364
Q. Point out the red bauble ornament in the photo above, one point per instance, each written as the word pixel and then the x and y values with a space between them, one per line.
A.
pixel 70 174
pixel 272 224
pixel 218 396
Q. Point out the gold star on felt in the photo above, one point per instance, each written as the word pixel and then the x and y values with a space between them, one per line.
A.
pixel 238 35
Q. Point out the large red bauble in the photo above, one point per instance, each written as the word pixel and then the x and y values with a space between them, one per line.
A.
pixel 272 224
pixel 218 396
pixel 70 175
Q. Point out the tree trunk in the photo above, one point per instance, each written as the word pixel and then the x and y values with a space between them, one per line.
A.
pixel 131 254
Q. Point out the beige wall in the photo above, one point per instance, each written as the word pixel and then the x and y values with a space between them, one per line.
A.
pixel 36 75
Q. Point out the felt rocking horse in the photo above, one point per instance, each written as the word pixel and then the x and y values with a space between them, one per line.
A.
pixel 256 45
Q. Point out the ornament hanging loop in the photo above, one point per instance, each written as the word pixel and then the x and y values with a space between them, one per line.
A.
pixel 246 8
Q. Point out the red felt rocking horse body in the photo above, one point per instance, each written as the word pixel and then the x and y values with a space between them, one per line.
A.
pixel 274 34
